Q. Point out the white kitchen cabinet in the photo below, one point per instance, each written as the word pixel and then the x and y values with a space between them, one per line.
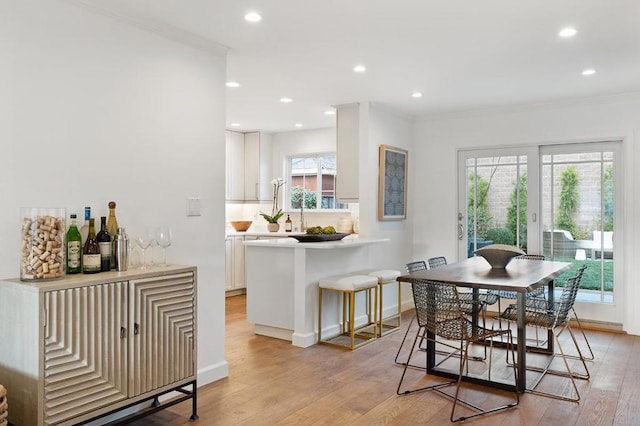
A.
pixel 85 346
pixel 234 264
pixel 348 134
pixel 248 164
pixel 235 165
pixel 228 263
pixel 252 166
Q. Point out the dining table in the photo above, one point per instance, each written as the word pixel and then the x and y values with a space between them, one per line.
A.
pixel 475 273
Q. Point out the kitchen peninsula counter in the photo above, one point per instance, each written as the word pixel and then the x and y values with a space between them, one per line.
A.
pixel 279 234
pixel 282 283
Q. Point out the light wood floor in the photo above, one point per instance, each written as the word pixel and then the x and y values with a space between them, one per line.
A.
pixel 273 383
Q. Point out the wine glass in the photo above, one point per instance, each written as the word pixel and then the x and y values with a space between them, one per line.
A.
pixel 163 238
pixel 144 240
pixel 151 235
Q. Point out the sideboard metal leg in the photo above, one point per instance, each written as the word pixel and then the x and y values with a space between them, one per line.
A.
pixel 194 401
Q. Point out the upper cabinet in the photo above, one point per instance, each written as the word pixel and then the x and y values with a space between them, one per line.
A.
pixel 348 135
pixel 248 166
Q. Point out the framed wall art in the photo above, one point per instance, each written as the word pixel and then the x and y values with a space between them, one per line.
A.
pixel 392 185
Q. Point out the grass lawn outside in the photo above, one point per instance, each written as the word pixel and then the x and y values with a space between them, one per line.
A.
pixel 591 279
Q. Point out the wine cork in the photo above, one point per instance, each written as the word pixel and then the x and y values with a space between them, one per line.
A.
pixel 42 247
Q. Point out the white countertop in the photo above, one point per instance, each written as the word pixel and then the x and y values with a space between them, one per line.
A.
pixel 281 234
pixel 350 241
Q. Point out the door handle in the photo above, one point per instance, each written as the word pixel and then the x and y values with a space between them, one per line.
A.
pixel 136 328
pixel 460 231
pixel 123 332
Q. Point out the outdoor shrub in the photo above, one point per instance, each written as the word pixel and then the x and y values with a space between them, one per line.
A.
pixel 569 199
pixel 501 236
pixel 310 200
pixel 517 212
pixel 608 198
pixel 483 217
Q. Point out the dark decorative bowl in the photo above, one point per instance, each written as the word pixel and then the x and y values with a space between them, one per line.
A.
pixel 499 255
pixel 317 238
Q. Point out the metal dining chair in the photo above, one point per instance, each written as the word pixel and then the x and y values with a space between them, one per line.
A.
pixel 555 318
pixel 419 265
pixel 469 306
pixel 440 313
pixel 539 293
pixel 485 298
pixel 591 356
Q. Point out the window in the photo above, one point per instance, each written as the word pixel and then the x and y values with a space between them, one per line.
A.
pixel 312 181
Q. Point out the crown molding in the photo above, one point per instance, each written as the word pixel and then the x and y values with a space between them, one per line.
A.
pixel 167 31
pixel 483 112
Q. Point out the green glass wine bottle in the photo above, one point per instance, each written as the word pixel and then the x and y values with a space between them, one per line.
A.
pixel 74 248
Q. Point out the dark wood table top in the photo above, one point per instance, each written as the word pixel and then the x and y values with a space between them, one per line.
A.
pixel 520 275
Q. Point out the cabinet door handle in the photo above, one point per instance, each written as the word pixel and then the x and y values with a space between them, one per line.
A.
pixel 123 332
pixel 136 328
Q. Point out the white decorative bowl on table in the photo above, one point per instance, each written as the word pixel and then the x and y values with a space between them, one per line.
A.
pixel 499 255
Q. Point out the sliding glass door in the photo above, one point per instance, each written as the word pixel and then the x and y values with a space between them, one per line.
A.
pixel 578 211
pixel 558 200
pixel 494 195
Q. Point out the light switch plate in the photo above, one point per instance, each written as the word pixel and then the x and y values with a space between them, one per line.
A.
pixel 194 206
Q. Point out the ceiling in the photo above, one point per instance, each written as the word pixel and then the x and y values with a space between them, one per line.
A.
pixel 460 54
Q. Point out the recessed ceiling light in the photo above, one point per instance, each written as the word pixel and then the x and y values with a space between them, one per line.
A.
pixel 567 32
pixel 589 71
pixel 416 95
pixel 253 17
pixel 329 112
pixel 286 100
pixel 233 84
pixel 359 68
pixel 298 124
pixel 235 124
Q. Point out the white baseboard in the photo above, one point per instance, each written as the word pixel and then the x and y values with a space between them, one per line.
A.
pixel 212 373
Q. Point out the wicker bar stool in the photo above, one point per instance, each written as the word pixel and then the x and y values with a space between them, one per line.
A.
pixel 350 336
pixel 4 407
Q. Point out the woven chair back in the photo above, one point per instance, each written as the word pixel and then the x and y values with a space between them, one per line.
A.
pixel 418 265
pixel 434 262
pixel 564 304
pixel 438 309
pixel 531 257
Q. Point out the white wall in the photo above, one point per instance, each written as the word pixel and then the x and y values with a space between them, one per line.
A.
pixel 93 110
pixel 385 127
pixel 314 141
pixel 437 139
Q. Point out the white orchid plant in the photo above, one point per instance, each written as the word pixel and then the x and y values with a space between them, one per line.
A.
pixel 276 213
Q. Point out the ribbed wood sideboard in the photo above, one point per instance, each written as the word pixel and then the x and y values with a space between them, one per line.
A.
pixel 86 346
